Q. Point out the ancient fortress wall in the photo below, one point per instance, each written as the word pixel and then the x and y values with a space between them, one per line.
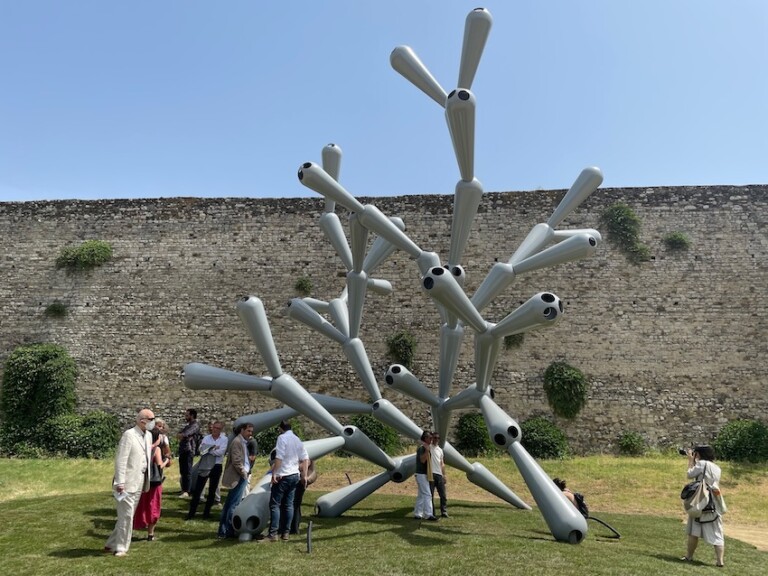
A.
pixel 673 348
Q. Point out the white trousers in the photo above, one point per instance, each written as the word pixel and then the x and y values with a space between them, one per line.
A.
pixel 423 508
pixel 120 539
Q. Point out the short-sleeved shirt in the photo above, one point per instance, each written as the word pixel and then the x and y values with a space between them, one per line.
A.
pixel 290 450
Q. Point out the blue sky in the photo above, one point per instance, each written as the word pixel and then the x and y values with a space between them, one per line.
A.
pixel 217 99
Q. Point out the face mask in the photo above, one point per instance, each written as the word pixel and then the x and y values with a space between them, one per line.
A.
pixel 150 425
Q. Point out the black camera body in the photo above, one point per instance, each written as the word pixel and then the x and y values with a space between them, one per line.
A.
pixel 682 451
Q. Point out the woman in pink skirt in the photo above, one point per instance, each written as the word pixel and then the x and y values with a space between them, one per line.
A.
pixel 150 503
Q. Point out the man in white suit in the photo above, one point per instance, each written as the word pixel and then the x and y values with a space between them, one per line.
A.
pixel 131 479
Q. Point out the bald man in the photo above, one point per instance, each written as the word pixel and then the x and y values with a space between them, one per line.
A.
pixel 131 479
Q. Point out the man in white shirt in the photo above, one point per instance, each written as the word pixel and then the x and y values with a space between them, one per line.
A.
pixel 131 479
pixel 288 469
pixel 438 476
pixel 212 450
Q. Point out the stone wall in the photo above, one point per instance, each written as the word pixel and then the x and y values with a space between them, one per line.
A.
pixel 673 347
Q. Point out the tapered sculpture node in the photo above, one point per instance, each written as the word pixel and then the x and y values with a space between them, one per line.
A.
pixel 338 320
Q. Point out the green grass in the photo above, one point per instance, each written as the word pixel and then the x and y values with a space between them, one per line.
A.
pixel 56 515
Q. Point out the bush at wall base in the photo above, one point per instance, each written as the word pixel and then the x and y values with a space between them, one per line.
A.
pixel 543 439
pixel 742 441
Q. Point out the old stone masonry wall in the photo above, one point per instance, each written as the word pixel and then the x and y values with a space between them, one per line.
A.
pixel 673 347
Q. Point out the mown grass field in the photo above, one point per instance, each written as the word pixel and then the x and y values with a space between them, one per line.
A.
pixel 56 514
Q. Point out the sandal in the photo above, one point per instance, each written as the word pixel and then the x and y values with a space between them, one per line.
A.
pixel 150 538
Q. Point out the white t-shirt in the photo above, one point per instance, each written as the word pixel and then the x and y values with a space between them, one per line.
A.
pixel 437 459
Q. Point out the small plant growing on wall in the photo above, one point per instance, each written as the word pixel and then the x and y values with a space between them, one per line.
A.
pixel 677 241
pixel 566 389
pixel 89 254
pixel 513 341
pixel 303 286
pixel 56 309
pixel 402 348
pixel 623 227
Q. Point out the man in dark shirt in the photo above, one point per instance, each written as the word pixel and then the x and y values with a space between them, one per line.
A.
pixel 187 446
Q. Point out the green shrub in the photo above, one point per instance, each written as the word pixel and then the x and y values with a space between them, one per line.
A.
pixel 402 348
pixel 385 437
pixel 472 435
pixel 566 389
pixel 623 227
pixel 742 441
pixel 101 433
pixel 676 241
pixel 94 435
pixel 89 254
pixel 303 286
pixel 543 439
pixel 632 444
pixel 514 340
pixel 267 439
pixel 38 384
pixel 56 309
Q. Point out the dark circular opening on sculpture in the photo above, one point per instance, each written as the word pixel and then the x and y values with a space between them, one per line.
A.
pixel 437 271
pixel 463 95
pixel 251 523
pixel 301 175
pixel 375 405
pixel 456 271
pixel 491 393
pixel 244 299
pixel 396 369
pixel 397 476
pixel 575 537
pixel 389 379
pixel 306 164
pixel 513 431
pixel 550 312
pixel 428 283
pixel 592 241
pixel 560 305
pixel 237 522
pixel 547 297
pixel 331 145
pixel 500 439
pixel 452 93
pixel 348 431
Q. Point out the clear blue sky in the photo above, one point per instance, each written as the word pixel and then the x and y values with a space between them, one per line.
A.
pixel 114 99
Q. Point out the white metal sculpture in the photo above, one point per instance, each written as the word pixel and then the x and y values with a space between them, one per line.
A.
pixel 545 246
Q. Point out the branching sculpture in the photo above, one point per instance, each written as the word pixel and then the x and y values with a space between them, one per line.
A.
pixel 545 246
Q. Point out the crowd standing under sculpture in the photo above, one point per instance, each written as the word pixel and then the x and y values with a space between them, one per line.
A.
pixel 545 246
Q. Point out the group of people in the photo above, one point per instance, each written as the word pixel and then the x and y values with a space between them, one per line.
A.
pixel 430 476
pixel 144 452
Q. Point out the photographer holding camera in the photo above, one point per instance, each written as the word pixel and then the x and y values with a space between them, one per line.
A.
pixel 709 526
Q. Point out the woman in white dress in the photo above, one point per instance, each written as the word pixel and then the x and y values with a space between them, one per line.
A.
pixel 710 525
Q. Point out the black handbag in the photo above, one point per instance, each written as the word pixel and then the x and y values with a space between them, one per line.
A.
pixel 690 489
pixel 156 475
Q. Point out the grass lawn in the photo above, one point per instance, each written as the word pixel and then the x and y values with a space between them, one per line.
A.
pixel 56 514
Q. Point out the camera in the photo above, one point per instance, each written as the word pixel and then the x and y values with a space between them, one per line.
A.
pixel 682 452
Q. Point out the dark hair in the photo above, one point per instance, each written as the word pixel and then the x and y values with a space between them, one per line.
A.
pixel 705 452
pixel 236 430
pixel 155 434
pixel 192 412
pixel 559 483
pixel 284 425
pixel 424 435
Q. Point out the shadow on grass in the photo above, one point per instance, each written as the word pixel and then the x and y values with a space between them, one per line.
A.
pixel 77 553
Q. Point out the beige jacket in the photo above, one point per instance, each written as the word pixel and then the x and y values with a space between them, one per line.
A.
pixel 132 460
pixel 235 470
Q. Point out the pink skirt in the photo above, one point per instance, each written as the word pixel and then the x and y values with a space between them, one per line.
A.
pixel 148 510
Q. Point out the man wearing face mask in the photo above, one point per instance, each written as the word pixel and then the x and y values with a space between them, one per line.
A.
pixel 131 479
